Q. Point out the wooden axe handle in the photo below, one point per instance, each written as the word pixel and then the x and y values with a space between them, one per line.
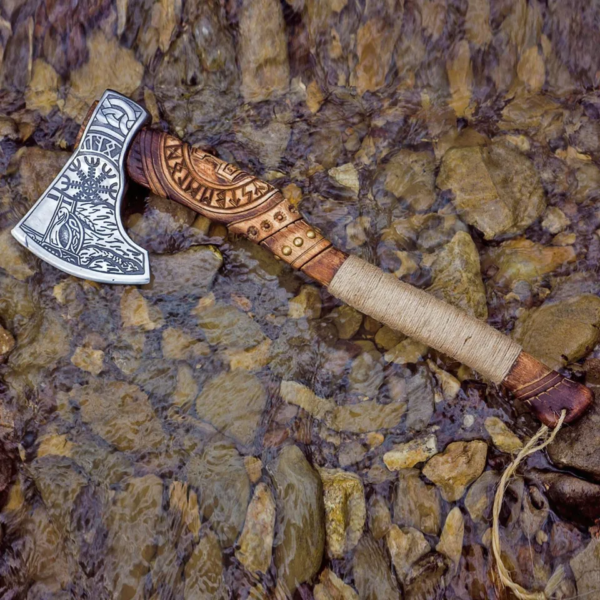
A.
pixel 255 209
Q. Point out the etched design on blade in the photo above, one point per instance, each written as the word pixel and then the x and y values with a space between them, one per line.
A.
pixel 76 224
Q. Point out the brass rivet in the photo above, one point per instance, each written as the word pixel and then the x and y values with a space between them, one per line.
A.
pixel 286 251
pixel 298 241
pixel 311 234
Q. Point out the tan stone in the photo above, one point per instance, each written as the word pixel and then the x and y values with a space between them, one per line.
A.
pixel 179 345
pixel 14 259
pixel 457 467
pixel 555 220
pixel 331 587
pixel 135 311
pixel 347 176
pixel 186 388
pixel 7 343
pixel 88 359
pixel 477 23
pixel 306 304
pixel 345 510
pixel 451 540
pixel 408 351
pixel 460 77
pixel 250 359
pixel 184 501
pixel 504 439
pixel 295 393
pixel 55 445
pixel 42 93
pixel 253 468
pixel 450 384
pixel 532 70
pixel 405 456
pixel 365 417
pixel 406 547
pixel 255 544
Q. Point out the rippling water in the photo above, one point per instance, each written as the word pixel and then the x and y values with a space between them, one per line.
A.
pixel 223 432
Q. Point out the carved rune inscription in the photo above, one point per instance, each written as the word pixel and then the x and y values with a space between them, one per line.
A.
pixel 219 186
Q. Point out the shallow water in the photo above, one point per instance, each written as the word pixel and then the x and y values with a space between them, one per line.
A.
pixel 180 439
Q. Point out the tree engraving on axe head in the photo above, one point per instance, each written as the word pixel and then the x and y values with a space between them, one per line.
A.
pixel 76 224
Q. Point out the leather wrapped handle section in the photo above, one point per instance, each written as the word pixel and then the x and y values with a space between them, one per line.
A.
pixel 255 209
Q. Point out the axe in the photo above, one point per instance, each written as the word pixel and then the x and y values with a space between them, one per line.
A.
pixel 76 227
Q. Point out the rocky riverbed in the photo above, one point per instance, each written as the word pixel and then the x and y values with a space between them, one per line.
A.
pixel 229 430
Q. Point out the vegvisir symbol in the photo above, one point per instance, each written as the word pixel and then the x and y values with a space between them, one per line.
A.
pixel 90 181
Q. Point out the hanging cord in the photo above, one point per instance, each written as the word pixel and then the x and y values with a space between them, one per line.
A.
pixel 547 436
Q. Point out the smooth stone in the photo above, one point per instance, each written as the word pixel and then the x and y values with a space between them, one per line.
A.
pixel 555 220
pixel 204 571
pixel 331 587
pixel 121 414
pixel 502 437
pixel 485 196
pixel 351 452
pixel 131 545
pixel 38 169
pixel 218 472
pixel 564 539
pixel 255 545
pixel 560 332
pixel 373 577
pixel 421 400
pixel 407 352
pixel 451 540
pixel 417 504
pixel 253 468
pixel 7 343
pixel 263 51
pixel 347 176
pixel 406 547
pixel 380 518
pixel 249 359
pixel 365 417
pixel 459 465
pixel 300 395
pixel 426 579
pixel 189 272
pixel 87 359
pixel 479 498
pixel 366 374
pixel 586 568
pixel 227 327
pixel 179 345
pixel 300 540
pixel 534 512
pixel 345 510
pixel 233 402
pixel 407 455
pixel 16 301
pixel 347 321
pixel 306 304
pixel 183 501
pixel 450 385
pixel 386 338
pixel 524 260
pixel 137 312
pixel 14 259
pixel 456 274
pixel 43 91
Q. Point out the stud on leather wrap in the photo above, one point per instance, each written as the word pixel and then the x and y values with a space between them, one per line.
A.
pixel 256 210
pixel 58 229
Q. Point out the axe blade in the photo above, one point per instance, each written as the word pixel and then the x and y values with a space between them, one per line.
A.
pixel 76 224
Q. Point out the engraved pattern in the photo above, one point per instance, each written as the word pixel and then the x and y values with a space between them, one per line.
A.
pixel 77 220
pixel 218 186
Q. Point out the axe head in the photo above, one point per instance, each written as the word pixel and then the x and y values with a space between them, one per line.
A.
pixel 76 224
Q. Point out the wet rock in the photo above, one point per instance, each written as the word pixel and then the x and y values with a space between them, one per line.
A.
pixel 233 402
pixel 564 539
pixel 407 455
pixel 302 396
pixel 256 541
pixel 186 388
pixel 345 510
pixel 485 196
pixel 183 502
pixel 204 570
pixel 301 522
pixel 426 579
pixel 250 359
pixel 477 23
pixel 263 51
pixel 268 143
pixel 132 521
pixel 351 453
pixel 410 177
pixel 189 272
pixel 306 304
pixel 460 77
pixel 406 547
pixel 88 359
pixel 572 498
pixel 456 276
pixel 524 260
pixel 380 519
pixel 137 312
pixel 586 568
pixel 16 301
pixel 253 468
pixel 386 338
pixel 43 91
pixel 421 404
pixel 451 540
pixel 459 465
pixel 534 512
pixel 347 176
pixel 38 168
pixel 365 416
pixel 347 321
pixel 417 504
pixel 7 343
pixel 331 587
pixel 220 475
pixel 90 81
pixel 121 414
pixel 559 332
pixel 502 437
pixel 372 575
pixel 366 374
pixel 14 259
pixel 479 498
pixel 450 385
pixel 179 345
pixel 407 352
pixel 226 326
pixel 555 220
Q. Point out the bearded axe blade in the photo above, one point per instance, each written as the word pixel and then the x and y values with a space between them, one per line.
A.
pixel 76 224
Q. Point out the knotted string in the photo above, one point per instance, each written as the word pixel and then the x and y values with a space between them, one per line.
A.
pixel 547 436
